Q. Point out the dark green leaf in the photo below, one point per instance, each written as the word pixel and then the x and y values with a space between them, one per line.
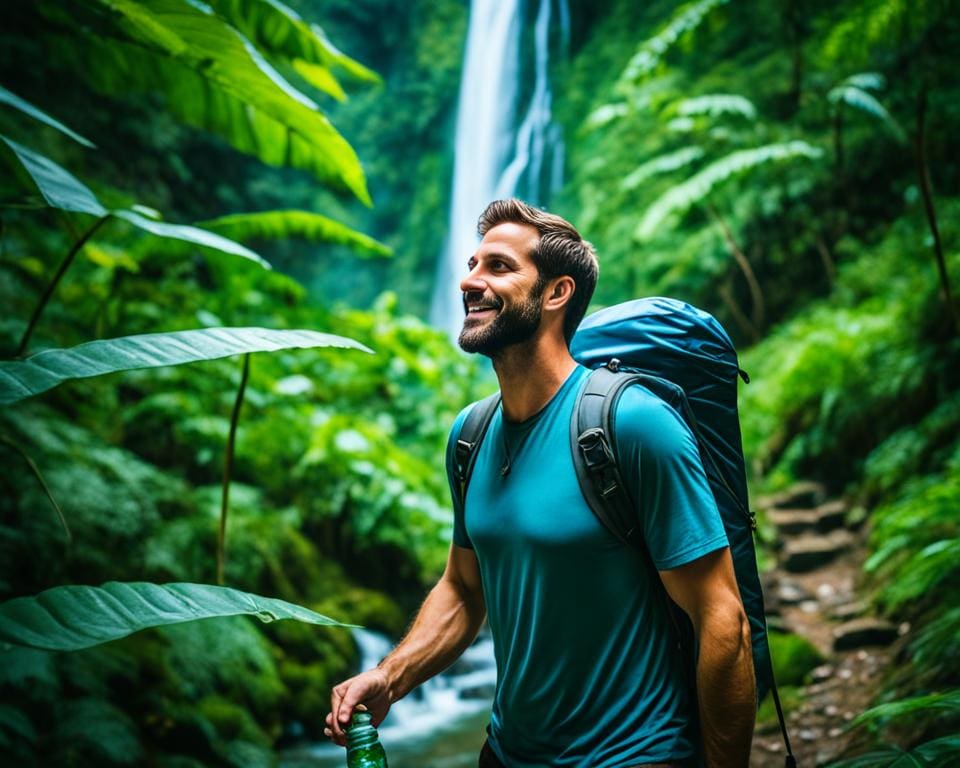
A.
pixel 6 97
pixel 20 379
pixel 55 184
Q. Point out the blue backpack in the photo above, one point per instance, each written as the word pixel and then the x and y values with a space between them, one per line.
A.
pixel 685 357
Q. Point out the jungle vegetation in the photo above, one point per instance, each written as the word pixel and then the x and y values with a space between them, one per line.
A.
pixel 789 165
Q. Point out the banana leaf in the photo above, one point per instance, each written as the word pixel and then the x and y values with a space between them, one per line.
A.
pixel 20 379
pixel 72 617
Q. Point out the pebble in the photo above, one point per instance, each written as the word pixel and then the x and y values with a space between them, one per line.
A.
pixel 821 673
pixel 831 710
pixel 826 591
pixel 808 734
pixel 809 606
pixel 835 732
pixel 845 674
pixel 848 716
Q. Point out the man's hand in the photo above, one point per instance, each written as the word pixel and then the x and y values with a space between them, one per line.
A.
pixel 370 688
pixel 447 623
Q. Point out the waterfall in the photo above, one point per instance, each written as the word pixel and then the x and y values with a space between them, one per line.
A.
pixel 495 157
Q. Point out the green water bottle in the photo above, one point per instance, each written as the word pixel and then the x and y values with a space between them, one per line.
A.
pixel 363 745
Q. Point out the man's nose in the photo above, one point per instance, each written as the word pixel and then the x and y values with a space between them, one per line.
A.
pixel 473 281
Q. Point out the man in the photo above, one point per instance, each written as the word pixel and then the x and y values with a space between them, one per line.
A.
pixel 588 669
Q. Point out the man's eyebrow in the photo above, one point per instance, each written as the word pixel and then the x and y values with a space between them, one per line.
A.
pixel 501 255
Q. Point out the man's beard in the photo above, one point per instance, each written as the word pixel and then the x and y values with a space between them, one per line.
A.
pixel 512 325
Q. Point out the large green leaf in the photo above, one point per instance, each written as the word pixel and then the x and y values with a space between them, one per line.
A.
pixel 695 189
pixel 58 188
pixel 279 30
pixel 6 97
pixel 20 379
pixel 73 617
pixel 278 225
pixel 212 77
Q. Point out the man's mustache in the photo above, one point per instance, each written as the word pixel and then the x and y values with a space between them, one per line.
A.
pixel 477 297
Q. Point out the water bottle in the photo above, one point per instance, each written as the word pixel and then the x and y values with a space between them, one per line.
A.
pixel 363 745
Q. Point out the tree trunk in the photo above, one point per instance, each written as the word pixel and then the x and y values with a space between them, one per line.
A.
pixel 926 187
pixel 756 293
pixel 739 317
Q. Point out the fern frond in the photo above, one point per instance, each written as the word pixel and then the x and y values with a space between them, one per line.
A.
pixel 662 164
pixel 713 104
pixel 695 189
pixel 605 114
pixel 868 81
pixel 858 98
pixel 687 18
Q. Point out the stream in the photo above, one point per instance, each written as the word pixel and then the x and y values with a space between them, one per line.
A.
pixel 441 724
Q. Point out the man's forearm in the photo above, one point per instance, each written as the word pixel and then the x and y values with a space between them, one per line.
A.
pixel 446 624
pixel 726 692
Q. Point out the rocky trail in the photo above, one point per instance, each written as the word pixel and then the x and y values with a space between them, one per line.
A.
pixel 812 592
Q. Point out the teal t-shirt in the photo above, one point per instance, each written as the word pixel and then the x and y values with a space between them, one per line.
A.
pixel 587 668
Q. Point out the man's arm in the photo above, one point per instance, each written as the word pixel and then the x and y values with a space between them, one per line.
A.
pixel 446 624
pixel 707 591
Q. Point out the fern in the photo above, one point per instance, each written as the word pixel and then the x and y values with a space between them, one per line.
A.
pixel 713 104
pixel 853 92
pixel 671 161
pixel 696 189
pixel 648 56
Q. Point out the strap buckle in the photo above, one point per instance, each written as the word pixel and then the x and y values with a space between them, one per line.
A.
pixel 599 458
pixel 462 454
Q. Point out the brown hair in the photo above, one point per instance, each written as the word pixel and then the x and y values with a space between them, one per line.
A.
pixel 560 251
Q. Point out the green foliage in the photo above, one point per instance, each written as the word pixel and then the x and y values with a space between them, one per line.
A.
pixel 12 100
pixel 854 92
pixel 794 658
pixel 212 77
pixel 73 617
pixel 47 369
pixel 278 225
pixel 695 190
pixel 650 53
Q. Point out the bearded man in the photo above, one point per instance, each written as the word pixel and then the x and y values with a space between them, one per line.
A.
pixel 588 669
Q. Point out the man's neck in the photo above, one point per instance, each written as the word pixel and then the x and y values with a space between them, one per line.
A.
pixel 530 374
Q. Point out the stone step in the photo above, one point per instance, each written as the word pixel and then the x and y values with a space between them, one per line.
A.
pixel 863 632
pixel 807 553
pixel 822 519
pixel 805 494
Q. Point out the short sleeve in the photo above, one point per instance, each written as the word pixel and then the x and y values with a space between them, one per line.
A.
pixel 663 473
pixel 460 537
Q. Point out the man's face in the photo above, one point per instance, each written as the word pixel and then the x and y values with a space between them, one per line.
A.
pixel 503 293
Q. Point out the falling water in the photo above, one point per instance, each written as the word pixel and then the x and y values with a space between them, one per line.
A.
pixel 495 157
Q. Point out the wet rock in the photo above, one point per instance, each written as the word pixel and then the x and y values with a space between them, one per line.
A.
pixel 808 553
pixel 805 494
pixel 862 632
pixel 791 522
pixel 831 516
pixel 847 611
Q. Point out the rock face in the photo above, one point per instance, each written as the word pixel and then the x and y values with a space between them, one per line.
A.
pixel 806 553
pixel 863 632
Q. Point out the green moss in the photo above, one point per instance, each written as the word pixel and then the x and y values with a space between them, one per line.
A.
pixel 794 657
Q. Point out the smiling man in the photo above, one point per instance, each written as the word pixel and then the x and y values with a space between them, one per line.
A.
pixel 588 669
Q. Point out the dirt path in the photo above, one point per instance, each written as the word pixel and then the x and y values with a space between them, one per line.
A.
pixel 813 592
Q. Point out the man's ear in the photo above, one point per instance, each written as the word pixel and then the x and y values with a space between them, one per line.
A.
pixel 560 293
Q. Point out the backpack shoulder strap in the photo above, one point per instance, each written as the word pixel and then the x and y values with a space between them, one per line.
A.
pixel 594 452
pixel 467 441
